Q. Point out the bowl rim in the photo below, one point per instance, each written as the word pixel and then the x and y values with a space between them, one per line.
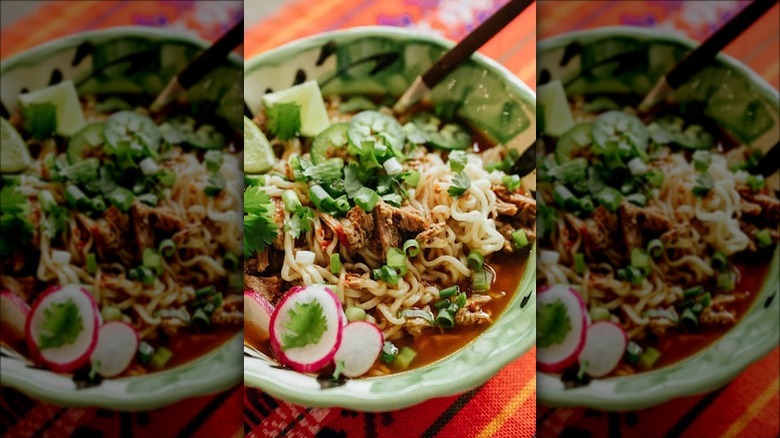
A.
pixel 102 396
pixel 588 396
pixel 510 351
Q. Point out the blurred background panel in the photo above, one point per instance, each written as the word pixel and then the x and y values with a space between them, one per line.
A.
pixel 26 24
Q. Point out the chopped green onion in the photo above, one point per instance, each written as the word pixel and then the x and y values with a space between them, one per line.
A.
pixel 98 204
pixel 355 314
pixel 291 201
pixel 389 352
pixel 457 160
pixel 405 358
pixel 335 263
pixel 152 260
pixel 704 183
pixel 610 199
pixel 475 260
pixel 693 292
pixel 235 281
pixel 342 204
pixel 637 199
pixel 586 204
pixel 231 260
pixel 640 260
pixel 161 357
pixel 445 319
pixel 512 182
pixel 366 199
pixel 689 318
pixel 565 198
pixel 441 304
pixel 655 178
pixel 655 248
pixel 701 160
pixel 720 260
pixel 705 300
pixel 387 274
pixel 321 199
pixel 121 198
pixel 460 299
pixel 76 198
pixel 764 239
pixel 480 281
pixel 110 313
pixel 599 313
pixel 755 182
pixel 168 248
pixel 412 247
pixel 396 258
pixel 412 178
pixel 579 263
pixel 91 263
pixel 649 358
pixel 254 180
pixel 448 292
pixel 633 352
pixel 166 177
pixel 205 291
pixel 724 281
pixel 213 160
pixel 145 352
pixel 519 238
pixel 47 201
pixel 201 317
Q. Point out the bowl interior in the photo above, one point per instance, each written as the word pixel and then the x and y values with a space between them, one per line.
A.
pixel 129 60
pixel 629 61
pixel 385 61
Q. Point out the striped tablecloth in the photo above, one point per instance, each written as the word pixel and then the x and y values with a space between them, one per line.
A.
pixel 213 416
pixel 749 405
pixel 505 405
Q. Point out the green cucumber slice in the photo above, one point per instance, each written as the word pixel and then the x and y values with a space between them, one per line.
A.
pixel 556 114
pixel 88 137
pixel 138 130
pixel 616 128
pixel 449 136
pixel 377 127
pixel 327 141
pixel 579 137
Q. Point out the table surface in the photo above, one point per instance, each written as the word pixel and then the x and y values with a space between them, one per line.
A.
pixel 749 405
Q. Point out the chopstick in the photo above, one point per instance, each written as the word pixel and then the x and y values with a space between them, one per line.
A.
pixel 199 67
pixel 423 84
pixel 770 162
pixel 700 57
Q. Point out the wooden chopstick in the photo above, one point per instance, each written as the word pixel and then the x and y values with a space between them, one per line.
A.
pixel 770 162
pixel 460 53
pixel 200 66
pixel 700 57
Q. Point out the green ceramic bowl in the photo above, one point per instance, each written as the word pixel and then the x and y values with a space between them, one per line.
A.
pixel 627 60
pixel 386 60
pixel 125 60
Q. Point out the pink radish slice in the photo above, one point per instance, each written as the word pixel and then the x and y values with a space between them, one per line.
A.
pixel 360 347
pixel 314 356
pixel 116 346
pixel 70 356
pixel 13 314
pixel 604 347
pixel 557 357
pixel 257 316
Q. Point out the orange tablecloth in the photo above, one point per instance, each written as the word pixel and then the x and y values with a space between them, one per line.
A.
pixel 749 405
pixel 217 415
pixel 505 405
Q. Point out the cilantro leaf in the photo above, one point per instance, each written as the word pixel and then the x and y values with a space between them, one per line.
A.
pixel 306 326
pixel 351 180
pixel 552 324
pixel 15 228
pixel 61 326
pixel 55 222
pixel 12 200
pixel 40 120
pixel 284 120
pixel 215 184
pixel 259 227
pixel 458 160
pixel 460 183
pixel 704 183
pixel 300 222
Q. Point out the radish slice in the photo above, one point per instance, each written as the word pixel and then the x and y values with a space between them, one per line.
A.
pixel 76 349
pixel 557 357
pixel 257 316
pixel 116 346
pixel 360 347
pixel 13 314
pixel 310 356
pixel 604 347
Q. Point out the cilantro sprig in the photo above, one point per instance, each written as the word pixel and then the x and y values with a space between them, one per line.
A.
pixel 284 120
pixel 306 325
pixel 62 324
pixel 15 227
pixel 552 324
pixel 260 229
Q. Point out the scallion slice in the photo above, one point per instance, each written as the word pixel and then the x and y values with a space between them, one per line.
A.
pixel 405 358
pixel 480 280
pixel 121 198
pixel 640 260
pixel 366 199
pixel 231 260
pixel 724 281
pixel 720 260
pixel 291 201
pixel 655 248
pixel 321 199
pixel 145 352
pixel 161 357
pixel 168 248
pixel 579 263
pixel 335 263
pixel 475 260
pixel 396 258
pixel 355 314
pixel 445 319
pixel 412 247
pixel 153 261
pixel 448 292
pixel 519 238
pixel 649 358
pixel 764 239
pixel 92 265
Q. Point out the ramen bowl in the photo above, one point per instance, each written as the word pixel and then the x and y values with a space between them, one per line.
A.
pixel 129 60
pixel 623 60
pixel 385 61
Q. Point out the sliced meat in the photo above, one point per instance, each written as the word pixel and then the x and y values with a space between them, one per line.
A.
pixel 354 231
pixel 769 206
pixel 659 325
pixel 416 326
pixel 598 228
pixel 634 221
pixel 356 281
pixel 230 312
pixel 525 207
pixel 268 287
pixel 147 220
pixel 278 243
pixel 506 209
pixel 431 235
pixel 392 224
pixel 110 231
pixel 472 313
pixel 712 317
pixel 24 287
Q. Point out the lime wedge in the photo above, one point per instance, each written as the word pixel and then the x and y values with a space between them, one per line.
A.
pixel 258 154
pixel 14 156
pixel 314 117
pixel 70 118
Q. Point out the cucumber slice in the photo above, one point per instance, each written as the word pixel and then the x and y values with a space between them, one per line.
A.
pixel 624 130
pixel 670 129
pixel 70 118
pixel 138 130
pixel 327 141
pixel 204 137
pixel 89 137
pixel 377 127
pixel 314 116
pixel 258 155
pixel 579 137
pixel 14 155
pixel 449 136
pixel 555 108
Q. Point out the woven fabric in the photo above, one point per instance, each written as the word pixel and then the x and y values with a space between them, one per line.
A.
pixel 505 405
pixel 213 416
pixel 749 405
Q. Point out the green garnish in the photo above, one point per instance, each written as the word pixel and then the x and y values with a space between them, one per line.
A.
pixel 389 352
pixel 511 182
pixel 61 326
pixel 306 325
pixel 40 119
pixel 458 160
pixel 460 183
pixel 284 120
pixel 366 199
pixel 552 324
pixel 300 221
pixel 260 229
pixel 215 184
pixel 15 227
